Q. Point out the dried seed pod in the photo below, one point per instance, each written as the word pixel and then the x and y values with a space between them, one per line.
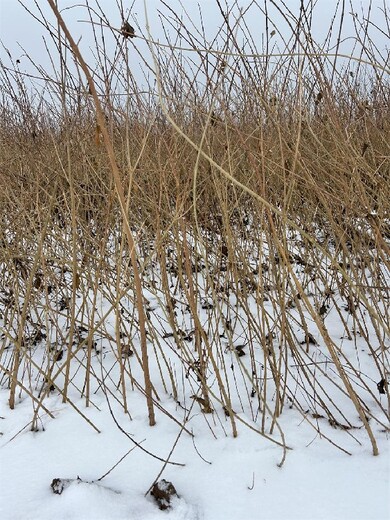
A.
pixel 319 98
pixel 381 386
pixel 127 31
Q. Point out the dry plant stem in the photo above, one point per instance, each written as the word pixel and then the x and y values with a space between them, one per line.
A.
pixel 30 394
pixel 330 345
pixel 138 444
pixel 74 278
pixel 69 401
pixel 119 461
pixel 228 54
pixel 210 355
pixel 19 344
pixel 172 449
pixel 122 202
pixel 198 333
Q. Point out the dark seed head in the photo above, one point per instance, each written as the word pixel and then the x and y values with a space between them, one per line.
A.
pixel 127 30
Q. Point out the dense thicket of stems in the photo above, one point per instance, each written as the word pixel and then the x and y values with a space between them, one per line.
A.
pixel 247 186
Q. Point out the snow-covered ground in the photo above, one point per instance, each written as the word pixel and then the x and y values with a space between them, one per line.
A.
pixel 328 473
pixel 240 480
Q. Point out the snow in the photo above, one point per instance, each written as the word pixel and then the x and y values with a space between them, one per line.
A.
pixel 329 471
pixel 316 482
pixel 240 480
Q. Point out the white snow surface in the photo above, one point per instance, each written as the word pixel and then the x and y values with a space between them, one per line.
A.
pixel 216 476
pixel 241 479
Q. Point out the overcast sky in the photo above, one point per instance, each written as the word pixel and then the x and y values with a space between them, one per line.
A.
pixel 22 35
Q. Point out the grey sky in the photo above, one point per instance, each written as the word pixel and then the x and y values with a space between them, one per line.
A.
pixel 22 35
